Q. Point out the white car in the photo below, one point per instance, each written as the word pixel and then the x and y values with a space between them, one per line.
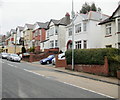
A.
pixel 4 55
pixel 60 57
pixel 14 57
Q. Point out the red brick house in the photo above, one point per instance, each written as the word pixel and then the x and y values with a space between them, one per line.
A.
pixel 39 34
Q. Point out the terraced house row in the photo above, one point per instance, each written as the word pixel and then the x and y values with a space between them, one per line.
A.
pixel 91 30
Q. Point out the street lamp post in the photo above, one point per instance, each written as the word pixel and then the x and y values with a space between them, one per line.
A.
pixel 72 36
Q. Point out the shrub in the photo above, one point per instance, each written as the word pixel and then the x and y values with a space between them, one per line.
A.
pixel 32 49
pixel 96 57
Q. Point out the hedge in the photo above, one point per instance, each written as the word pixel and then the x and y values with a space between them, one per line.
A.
pixel 96 57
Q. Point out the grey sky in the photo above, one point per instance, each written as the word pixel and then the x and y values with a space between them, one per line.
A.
pixel 18 12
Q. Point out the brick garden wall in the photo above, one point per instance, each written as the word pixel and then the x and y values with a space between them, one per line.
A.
pixel 94 69
pixel 36 57
pixel 60 63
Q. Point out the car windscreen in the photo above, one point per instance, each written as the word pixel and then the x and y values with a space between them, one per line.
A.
pixel 14 55
pixel 51 56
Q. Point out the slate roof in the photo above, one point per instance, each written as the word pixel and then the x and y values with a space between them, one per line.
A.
pixel 55 21
pixel 43 25
pixel 29 26
pixel 92 15
pixel 20 28
pixel 12 31
pixel 62 21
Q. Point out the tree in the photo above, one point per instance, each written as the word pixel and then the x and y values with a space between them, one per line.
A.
pixel 93 7
pixel 23 50
pixel 99 9
pixel 86 8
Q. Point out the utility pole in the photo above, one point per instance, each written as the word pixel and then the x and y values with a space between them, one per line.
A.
pixel 72 35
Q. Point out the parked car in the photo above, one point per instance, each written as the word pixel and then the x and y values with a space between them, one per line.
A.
pixel 8 56
pixel 4 55
pixel 47 60
pixel 14 57
pixel 60 57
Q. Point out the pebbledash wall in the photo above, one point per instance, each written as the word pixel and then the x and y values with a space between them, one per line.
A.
pixel 94 69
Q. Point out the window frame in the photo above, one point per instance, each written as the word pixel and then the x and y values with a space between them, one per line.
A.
pixel 78 44
pixel 78 28
pixel 108 29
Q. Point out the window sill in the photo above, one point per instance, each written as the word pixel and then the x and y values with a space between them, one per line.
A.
pixel 108 35
pixel 118 32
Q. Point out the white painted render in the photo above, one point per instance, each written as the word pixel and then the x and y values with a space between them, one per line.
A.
pixel 60 36
pixel 114 39
pixel 92 35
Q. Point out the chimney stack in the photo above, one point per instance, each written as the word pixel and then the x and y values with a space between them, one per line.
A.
pixel 67 16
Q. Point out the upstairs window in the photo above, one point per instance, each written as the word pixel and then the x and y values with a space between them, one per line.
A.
pixel 78 28
pixel 51 31
pixel 47 33
pixel 56 30
pixel 108 29
pixel 84 27
pixel 70 31
pixel 118 25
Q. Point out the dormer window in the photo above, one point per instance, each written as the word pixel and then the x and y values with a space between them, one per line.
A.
pixel 108 29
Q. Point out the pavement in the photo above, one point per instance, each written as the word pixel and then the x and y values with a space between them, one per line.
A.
pixel 110 80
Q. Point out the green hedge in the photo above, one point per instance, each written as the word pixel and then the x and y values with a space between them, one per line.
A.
pixel 96 56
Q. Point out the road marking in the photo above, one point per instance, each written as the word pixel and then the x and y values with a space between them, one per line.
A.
pixel 10 65
pixel 71 84
pixel 15 66
pixel 33 72
pixel 87 89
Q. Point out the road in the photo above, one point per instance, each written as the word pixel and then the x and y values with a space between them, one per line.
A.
pixel 19 81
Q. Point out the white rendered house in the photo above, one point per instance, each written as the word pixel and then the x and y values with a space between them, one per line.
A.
pixel 56 32
pixel 111 30
pixel 19 35
pixel 87 33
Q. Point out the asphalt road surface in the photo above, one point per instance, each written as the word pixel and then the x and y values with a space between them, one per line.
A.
pixel 19 82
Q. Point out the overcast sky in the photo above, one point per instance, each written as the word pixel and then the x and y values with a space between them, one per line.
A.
pixel 18 12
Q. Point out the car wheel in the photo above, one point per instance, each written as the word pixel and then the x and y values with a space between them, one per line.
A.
pixel 48 62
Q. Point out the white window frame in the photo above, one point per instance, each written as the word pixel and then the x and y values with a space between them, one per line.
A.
pixel 56 30
pixel 70 31
pixel 84 44
pixel 51 31
pixel 118 25
pixel 84 26
pixel 78 44
pixel 108 29
pixel 78 28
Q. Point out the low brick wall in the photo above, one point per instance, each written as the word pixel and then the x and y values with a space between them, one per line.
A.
pixel 60 63
pixel 35 57
pixel 118 74
pixel 52 50
pixel 94 69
